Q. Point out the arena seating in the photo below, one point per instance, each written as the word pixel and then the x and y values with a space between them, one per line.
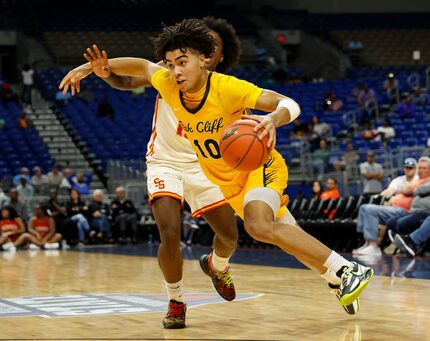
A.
pixel 20 147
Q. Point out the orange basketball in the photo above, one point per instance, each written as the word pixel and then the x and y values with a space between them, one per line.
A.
pixel 240 147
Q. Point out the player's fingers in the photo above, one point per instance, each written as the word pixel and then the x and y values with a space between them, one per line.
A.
pixel 105 57
pixel 91 53
pixel 78 86
pixel 65 80
pixel 97 51
pixel 66 88
pixel 87 57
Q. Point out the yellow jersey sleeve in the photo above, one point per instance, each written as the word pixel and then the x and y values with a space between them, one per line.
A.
pixel 237 94
pixel 162 81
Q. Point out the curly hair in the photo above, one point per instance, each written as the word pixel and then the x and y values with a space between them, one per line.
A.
pixel 188 34
pixel 230 42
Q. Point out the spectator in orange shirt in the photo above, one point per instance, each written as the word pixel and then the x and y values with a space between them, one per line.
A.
pixel 331 193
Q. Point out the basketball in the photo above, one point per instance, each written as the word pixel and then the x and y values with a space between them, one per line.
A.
pixel 240 147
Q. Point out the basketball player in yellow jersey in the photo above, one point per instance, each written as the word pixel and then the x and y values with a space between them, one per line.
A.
pixel 207 102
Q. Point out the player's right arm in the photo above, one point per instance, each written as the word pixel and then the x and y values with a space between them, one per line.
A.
pixel 123 73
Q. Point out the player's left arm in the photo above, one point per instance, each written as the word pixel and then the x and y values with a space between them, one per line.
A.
pixel 283 110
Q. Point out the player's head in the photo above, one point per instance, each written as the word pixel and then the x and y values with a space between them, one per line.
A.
pixel 185 48
pixel 227 44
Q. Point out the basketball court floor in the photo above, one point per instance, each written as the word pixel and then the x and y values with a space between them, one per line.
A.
pixel 117 293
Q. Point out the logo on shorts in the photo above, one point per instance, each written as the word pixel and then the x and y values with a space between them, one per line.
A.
pixel 159 183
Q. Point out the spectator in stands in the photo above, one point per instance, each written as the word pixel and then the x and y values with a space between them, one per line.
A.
pixel 391 86
pixel 59 214
pixel 27 84
pixel 25 189
pixel 317 78
pixel 406 109
pixel 298 129
pixel 398 184
pixel 372 174
pixel 77 211
pixel 55 176
pixel 368 133
pixel 7 95
pixel 24 171
pixel 311 136
pixel 414 243
pixel 18 205
pixel 371 215
pixel 99 212
pixel 81 184
pixel 417 97
pixel 322 129
pixel 317 189
pixel 319 159
pixel 294 79
pixel 105 109
pixel 332 191
pixel 348 160
pixel 331 102
pixel 12 228
pixel 366 96
pixel 408 222
pixel 355 45
pixel 124 214
pixel 385 132
pixel 24 121
pixel 41 230
pixel 39 181
pixel 66 182
pixel 4 199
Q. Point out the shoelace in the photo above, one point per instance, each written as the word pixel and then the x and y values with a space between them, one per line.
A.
pixel 225 277
pixel 175 310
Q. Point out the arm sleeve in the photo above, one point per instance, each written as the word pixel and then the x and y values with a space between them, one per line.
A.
pixel 236 94
pixel 423 190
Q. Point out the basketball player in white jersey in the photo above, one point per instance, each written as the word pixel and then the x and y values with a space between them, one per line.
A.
pixel 174 174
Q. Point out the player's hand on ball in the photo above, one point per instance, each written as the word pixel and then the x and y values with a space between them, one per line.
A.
pixel 267 127
pixel 99 61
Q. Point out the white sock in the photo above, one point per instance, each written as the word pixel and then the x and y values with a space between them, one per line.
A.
pixel 174 291
pixel 331 277
pixel 219 263
pixel 335 262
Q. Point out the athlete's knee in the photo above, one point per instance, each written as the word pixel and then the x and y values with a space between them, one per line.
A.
pixel 259 229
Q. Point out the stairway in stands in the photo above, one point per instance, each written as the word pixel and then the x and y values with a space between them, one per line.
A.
pixel 61 146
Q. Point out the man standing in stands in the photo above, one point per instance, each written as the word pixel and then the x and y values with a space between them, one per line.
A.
pixel 373 174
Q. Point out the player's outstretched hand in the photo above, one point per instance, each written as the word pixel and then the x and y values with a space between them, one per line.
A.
pixel 98 61
pixel 266 126
pixel 73 79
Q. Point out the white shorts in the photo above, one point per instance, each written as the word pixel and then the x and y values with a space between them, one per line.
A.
pixel 183 181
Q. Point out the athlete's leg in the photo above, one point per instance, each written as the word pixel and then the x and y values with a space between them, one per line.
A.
pixel 167 213
pixel 259 223
pixel 223 223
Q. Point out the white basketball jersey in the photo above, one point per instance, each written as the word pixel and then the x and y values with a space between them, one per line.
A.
pixel 167 142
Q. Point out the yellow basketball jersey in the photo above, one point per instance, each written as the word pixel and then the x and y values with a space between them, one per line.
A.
pixel 221 102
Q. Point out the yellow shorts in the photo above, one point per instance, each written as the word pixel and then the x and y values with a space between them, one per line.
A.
pixel 273 174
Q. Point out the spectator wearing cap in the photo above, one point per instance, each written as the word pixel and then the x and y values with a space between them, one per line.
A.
pixel 39 181
pixel 372 174
pixel 398 184
pixel 41 230
pixel 371 215
pixel 55 176
pixel 25 189
pixel 17 178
